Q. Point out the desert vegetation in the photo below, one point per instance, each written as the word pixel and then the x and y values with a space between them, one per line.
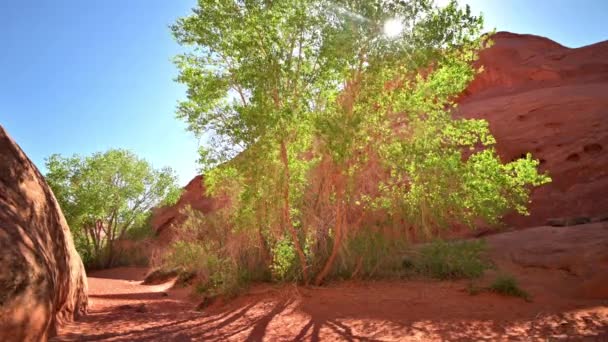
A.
pixel 507 285
pixel 329 129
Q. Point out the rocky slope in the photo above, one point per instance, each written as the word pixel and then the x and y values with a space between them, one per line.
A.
pixel 538 97
pixel 42 279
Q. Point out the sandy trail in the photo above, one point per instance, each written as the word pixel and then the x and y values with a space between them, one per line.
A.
pixel 121 309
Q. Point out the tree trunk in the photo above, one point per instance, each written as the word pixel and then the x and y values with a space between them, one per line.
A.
pixel 110 249
pixel 340 227
pixel 110 260
pixel 287 215
pixel 112 225
pixel 264 247
pixel 97 237
pixel 338 232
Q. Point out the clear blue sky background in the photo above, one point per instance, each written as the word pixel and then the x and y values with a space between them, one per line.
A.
pixel 83 76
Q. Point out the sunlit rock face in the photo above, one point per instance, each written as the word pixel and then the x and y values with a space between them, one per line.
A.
pixel 552 101
pixel 42 279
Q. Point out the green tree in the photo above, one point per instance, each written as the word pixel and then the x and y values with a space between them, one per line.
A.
pixel 105 196
pixel 303 97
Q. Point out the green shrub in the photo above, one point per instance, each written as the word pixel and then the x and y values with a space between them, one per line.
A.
pixel 507 285
pixel 185 278
pixel 211 274
pixel 89 259
pixel 186 256
pixel 217 260
pixel 224 279
pixel 141 231
pixel 369 254
pixel 135 256
pixel 284 261
pixel 451 260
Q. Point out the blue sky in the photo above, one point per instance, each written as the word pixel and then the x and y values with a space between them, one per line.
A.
pixel 84 76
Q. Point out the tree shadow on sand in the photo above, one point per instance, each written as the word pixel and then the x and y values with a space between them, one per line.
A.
pixel 320 315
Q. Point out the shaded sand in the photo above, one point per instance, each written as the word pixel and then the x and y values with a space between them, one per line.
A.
pixel 350 311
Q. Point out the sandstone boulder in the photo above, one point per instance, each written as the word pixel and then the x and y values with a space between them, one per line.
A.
pixel 42 279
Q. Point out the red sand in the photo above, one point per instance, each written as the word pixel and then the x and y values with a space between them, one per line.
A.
pixel 350 311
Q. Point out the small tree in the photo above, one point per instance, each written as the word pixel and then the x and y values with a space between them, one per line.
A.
pixel 310 92
pixel 106 195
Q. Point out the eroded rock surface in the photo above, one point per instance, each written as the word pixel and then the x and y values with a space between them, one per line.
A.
pixel 42 279
pixel 550 100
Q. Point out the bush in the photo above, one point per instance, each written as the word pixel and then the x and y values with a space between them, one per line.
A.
pixel 137 256
pixel 284 262
pixel 186 256
pixel 208 254
pixel 224 279
pixel 141 231
pixel 507 285
pixel 89 259
pixel 370 253
pixel 210 273
pixel 451 260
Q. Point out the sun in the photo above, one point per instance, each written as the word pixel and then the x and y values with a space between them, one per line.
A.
pixel 393 27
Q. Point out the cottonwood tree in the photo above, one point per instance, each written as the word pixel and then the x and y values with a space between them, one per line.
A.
pixel 106 195
pixel 289 90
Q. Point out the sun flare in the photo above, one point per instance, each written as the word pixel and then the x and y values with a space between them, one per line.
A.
pixel 393 28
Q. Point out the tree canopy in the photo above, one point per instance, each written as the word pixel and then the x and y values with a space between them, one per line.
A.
pixel 106 196
pixel 323 116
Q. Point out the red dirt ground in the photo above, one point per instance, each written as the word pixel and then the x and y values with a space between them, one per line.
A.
pixel 351 311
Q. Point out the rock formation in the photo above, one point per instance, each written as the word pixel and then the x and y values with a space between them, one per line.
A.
pixel 42 279
pixel 193 196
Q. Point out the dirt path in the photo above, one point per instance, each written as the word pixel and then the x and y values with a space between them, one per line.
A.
pixel 121 309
